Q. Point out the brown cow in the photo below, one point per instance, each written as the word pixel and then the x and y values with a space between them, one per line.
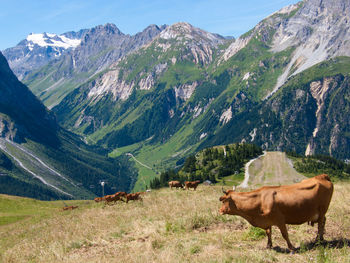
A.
pixel 114 198
pixel 176 184
pixel 295 204
pixel 121 194
pixel 193 184
pixel 69 207
pixel 135 196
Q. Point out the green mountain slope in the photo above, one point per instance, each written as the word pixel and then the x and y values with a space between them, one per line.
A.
pixel 308 114
pixel 42 160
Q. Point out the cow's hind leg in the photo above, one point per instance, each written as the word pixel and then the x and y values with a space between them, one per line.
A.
pixel 284 233
pixel 320 223
pixel 269 239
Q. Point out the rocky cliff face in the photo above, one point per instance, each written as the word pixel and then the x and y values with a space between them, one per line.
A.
pixel 319 30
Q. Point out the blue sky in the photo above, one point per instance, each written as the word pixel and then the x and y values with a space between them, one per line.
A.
pixel 18 18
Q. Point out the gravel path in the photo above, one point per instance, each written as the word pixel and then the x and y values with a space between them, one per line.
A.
pixel 271 168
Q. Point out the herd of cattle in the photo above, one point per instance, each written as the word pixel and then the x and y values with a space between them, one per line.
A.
pixel 124 197
pixel 120 196
pixel 303 202
pixel 187 185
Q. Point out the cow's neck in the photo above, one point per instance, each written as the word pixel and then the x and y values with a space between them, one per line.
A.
pixel 250 211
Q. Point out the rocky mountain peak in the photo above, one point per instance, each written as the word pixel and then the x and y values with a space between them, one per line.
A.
pixel 148 34
pixel 109 28
pixel 100 32
pixel 40 48
pixel 187 31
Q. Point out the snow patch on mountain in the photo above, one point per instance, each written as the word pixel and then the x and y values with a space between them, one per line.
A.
pixel 51 40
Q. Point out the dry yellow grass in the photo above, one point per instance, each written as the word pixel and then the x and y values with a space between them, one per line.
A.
pixel 168 226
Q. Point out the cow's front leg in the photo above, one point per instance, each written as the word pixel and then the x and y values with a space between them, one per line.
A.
pixel 284 232
pixel 269 239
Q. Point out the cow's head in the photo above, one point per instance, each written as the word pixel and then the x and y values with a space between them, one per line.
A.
pixel 228 204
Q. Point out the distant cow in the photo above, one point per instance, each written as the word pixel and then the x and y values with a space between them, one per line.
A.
pixel 135 196
pixel 193 184
pixel 120 194
pixel 175 184
pixel 99 199
pixel 295 204
pixel 69 207
pixel 114 198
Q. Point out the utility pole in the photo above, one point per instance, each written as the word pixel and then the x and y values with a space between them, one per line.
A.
pixel 103 188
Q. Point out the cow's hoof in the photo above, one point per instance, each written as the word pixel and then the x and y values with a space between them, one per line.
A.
pixel 292 250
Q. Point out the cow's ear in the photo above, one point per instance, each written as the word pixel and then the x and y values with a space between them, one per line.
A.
pixel 223 198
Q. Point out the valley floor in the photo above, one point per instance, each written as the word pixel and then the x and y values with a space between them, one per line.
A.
pixel 168 226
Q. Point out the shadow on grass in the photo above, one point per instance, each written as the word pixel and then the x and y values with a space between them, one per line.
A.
pixel 335 244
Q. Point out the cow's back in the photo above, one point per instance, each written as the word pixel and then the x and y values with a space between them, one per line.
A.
pixel 302 202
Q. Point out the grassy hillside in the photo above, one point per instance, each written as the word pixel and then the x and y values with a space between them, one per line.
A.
pixel 168 226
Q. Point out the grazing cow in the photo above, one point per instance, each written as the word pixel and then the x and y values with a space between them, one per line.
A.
pixel 121 194
pixel 294 204
pixel 176 184
pixel 114 198
pixel 69 207
pixel 193 184
pixel 135 196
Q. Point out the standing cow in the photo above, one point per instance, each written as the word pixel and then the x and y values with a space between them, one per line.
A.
pixel 175 184
pixel 193 184
pixel 295 204
pixel 118 196
pixel 135 196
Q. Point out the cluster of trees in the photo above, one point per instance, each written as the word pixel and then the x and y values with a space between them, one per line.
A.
pixel 318 164
pixel 210 164
pixel 230 159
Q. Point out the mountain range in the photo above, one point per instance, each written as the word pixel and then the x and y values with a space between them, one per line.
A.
pixel 54 68
pixel 170 91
